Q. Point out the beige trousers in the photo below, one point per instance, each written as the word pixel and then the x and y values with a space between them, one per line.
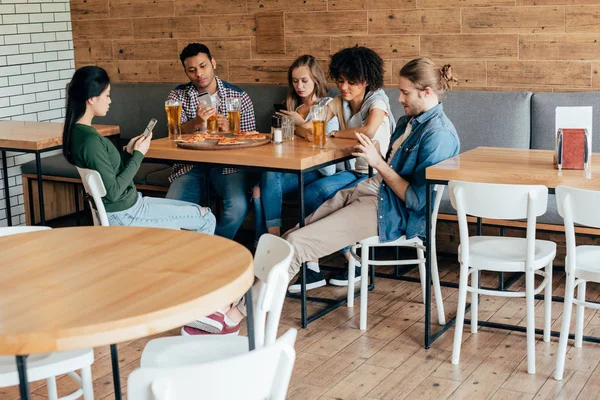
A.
pixel 348 217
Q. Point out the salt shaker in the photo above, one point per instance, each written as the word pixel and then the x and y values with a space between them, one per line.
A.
pixel 276 131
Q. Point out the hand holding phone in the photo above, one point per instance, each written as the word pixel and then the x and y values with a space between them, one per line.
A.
pixel 279 107
pixel 149 128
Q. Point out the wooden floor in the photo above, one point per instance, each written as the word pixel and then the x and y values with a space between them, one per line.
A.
pixel 335 360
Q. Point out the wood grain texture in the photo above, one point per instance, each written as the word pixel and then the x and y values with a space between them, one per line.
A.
pixel 387 46
pixel 335 5
pixel 270 37
pixel 513 20
pixel 325 23
pixel 511 166
pixel 414 21
pixel 559 47
pixel 489 47
pixel 91 286
pixel 164 49
pixel 91 50
pixel 165 27
pixel 473 34
pixel 293 155
pixel 26 135
pixel 543 73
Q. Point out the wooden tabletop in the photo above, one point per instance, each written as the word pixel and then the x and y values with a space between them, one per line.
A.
pixel 80 287
pixel 513 166
pixel 296 155
pixel 27 135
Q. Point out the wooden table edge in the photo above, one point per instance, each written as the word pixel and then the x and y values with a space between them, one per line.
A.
pixel 136 327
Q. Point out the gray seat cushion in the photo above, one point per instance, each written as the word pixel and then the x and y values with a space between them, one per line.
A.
pixel 57 165
pixel 159 178
pixel 543 108
pixel 477 119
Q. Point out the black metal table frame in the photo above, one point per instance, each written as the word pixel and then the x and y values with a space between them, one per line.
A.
pixel 21 360
pixel 429 337
pixel 332 303
pixel 38 164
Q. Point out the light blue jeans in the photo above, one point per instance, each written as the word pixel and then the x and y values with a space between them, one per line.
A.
pixel 165 213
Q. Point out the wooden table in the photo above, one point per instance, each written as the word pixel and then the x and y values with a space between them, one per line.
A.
pixel 499 165
pixel 37 138
pixel 79 287
pixel 295 156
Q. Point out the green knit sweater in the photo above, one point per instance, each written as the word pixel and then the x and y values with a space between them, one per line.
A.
pixel 92 151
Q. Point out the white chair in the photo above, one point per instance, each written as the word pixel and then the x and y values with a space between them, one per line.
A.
pixel 48 366
pixel 94 187
pixel 271 263
pixel 260 374
pixel 577 206
pixel 416 243
pixel 502 254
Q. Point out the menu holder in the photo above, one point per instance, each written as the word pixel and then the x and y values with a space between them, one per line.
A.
pixel 572 149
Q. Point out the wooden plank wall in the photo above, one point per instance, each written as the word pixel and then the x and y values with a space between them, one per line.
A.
pixel 539 45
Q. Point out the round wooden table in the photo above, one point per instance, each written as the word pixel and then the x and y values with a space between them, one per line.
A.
pixel 79 287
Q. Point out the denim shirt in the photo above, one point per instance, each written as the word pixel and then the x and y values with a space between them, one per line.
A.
pixel 433 139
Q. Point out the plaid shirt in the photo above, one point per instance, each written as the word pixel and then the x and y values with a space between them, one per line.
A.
pixel 188 95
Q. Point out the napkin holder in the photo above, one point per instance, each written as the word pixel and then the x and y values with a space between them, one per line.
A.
pixel 572 149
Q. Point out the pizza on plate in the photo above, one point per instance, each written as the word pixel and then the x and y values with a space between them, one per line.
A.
pixel 230 141
pixel 255 136
pixel 194 139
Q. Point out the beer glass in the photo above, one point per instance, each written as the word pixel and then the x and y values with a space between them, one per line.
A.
pixel 234 106
pixel 287 125
pixel 212 124
pixel 173 109
pixel 318 116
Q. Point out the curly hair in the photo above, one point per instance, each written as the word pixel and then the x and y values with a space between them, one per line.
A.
pixel 358 64
pixel 193 49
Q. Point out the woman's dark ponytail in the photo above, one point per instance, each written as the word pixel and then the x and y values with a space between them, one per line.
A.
pixel 87 82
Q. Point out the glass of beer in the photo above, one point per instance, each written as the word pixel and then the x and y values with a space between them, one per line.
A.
pixel 234 106
pixel 173 109
pixel 212 124
pixel 318 116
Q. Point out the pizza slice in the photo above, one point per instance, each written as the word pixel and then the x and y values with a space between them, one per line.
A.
pixel 255 136
pixel 230 141
pixel 194 139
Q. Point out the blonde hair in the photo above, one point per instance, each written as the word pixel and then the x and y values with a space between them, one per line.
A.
pixel 423 73
pixel 292 99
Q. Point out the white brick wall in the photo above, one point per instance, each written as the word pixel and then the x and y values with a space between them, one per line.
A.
pixel 36 62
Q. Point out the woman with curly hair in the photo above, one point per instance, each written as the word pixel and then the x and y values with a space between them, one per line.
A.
pixel 363 107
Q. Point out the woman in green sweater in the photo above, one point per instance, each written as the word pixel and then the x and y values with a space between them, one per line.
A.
pixel 89 97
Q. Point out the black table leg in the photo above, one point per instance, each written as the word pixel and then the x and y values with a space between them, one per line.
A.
pixel 6 191
pixel 303 267
pixel 250 319
pixel 23 382
pixel 76 198
pixel 428 266
pixel 115 367
pixel 38 164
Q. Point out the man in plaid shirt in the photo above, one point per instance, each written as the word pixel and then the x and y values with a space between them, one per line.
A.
pixel 187 180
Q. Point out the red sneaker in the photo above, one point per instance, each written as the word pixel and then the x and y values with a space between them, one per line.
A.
pixel 212 324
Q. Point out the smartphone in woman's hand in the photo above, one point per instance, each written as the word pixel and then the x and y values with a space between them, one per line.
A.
pixel 149 128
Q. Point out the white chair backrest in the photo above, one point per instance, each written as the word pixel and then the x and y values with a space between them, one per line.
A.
pixel 498 201
pixel 260 374
pixel 438 191
pixel 271 263
pixel 94 187
pixel 576 206
pixel 14 230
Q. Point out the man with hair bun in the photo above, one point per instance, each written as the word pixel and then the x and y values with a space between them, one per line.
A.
pixel 392 203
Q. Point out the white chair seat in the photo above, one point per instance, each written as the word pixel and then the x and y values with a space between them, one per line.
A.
pixel 181 351
pixel 374 240
pixel 42 366
pixel 588 264
pixel 492 253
